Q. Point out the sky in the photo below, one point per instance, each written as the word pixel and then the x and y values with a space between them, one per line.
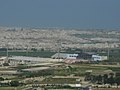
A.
pixel 60 13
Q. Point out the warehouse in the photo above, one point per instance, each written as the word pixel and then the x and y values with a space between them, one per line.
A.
pixel 99 58
pixel 64 56
pixel 86 56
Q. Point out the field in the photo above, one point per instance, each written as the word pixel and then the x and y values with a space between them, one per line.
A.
pixel 81 69
pixel 11 88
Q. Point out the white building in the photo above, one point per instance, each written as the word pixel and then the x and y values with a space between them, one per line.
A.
pixel 99 58
pixel 72 56
pixel 64 56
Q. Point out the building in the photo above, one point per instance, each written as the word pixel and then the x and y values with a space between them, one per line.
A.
pixel 59 56
pixel 64 56
pixel 86 56
pixel 72 56
pixel 99 58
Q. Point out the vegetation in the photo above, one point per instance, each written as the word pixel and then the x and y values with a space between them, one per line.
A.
pixel 45 54
pixel 1 79
pixel 59 80
pixel 5 64
pixel 7 88
pixel 14 83
pixel 103 79
pixel 37 73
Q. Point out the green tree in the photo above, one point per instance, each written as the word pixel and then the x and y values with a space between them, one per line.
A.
pixel 42 49
pixel 1 79
pixel 117 80
pixel 87 76
pixel 105 78
pixel 5 64
pixel 111 80
pixel 14 83
pixel 99 79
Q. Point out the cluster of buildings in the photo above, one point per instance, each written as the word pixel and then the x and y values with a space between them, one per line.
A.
pixel 47 39
pixel 80 57
pixel 58 57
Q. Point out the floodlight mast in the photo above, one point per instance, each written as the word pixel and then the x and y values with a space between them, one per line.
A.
pixel 108 52
pixel 58 51
pixel 59 45
pixel 108 47
pixel 7 51
pixel 6 61
pixel 59 48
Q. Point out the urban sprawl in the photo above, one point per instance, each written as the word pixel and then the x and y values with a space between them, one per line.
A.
pixel 48 39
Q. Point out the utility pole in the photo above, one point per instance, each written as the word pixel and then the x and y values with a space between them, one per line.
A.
pixel 108 51
pixel 27 50
pixel 7 51
pixel 59 47
pixel 7 61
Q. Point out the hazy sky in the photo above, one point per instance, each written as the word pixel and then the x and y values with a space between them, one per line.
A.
pixel 60 13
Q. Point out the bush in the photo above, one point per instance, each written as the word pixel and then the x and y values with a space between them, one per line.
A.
pixel 5 64
pixel 14 83
pixel 1 79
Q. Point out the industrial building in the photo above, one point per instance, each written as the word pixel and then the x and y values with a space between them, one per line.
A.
pixel 58 57
pixel 64 56
pixel 80 57
pixel 99 58
pixel 85 56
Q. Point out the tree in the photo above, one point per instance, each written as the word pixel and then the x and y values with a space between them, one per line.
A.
pixel 70 68
pixel 105 78
pixel 87 76
pixel 93 78
pixel 1 79
pixel 5 64
pixel 34 49
pixel 117 80
pixel 111 74
pixel 42 49
pixel 14 83
pixel 111 80
pixel 99 79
